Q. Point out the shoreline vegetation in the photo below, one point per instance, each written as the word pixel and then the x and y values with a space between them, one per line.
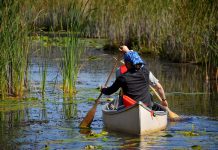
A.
pixel 181 31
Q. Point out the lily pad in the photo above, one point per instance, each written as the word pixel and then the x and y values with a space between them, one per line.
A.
pixel 168 135
pixel 96 135
pixel 104 139
pixel 93 147
pixel 91 99
pixel 189 133
pixel 196 147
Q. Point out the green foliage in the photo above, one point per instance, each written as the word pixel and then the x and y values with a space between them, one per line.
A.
pixel 190 133
pixel 70 65
pixel 14 49
pixel 18 20
pixel 196 147
pixel 182 31
pixel 96 135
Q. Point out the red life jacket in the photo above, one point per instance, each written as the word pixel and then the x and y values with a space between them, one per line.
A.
pixel 127 101
pixel 123 69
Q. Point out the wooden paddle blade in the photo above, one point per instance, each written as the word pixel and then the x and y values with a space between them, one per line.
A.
pixel 89 117
pixel 172 115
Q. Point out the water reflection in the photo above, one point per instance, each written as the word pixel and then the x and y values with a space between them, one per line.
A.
pixel 187 91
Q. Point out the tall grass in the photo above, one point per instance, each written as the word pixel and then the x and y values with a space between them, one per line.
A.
pixel 182 30
pixel 67 16
pixel 14 49
pixel 44 71
pixel 74 49
pixel 16 20
pixel 70 65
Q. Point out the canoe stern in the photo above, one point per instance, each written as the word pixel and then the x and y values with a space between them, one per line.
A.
pixel 137 119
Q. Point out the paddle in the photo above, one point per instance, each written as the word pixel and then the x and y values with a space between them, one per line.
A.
pixel 86 122
pixel 172 115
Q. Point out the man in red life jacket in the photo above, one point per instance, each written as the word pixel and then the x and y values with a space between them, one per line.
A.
pixel 135 80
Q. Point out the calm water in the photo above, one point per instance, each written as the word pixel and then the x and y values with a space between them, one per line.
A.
pixel 51 121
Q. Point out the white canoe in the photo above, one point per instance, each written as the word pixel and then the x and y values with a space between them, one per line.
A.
pixel 136 119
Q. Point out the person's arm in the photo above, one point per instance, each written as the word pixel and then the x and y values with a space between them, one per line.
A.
pixel 114 87
pixel 158 87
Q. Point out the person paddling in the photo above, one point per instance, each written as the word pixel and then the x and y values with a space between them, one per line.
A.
pixel 153 81
pixel 135 80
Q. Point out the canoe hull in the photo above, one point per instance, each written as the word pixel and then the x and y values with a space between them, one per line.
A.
pixel 137 119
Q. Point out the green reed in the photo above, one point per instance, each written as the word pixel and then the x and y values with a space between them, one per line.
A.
pixel 71 64
pixel 14 48
pixel 66 16
pixel 182 30
pixel 73 47
pixel 44 71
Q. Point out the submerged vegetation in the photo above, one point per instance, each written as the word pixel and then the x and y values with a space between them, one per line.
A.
pixel 182 31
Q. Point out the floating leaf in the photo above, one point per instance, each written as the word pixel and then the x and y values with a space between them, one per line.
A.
pixel 189 133
pixel 196 147
pixel 96 135
pixel 90 147
pixel 104 139
pixel 168 135
pixel 91 99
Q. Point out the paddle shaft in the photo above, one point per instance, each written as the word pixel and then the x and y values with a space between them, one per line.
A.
pixel 172 115
pixel 158 96
pixel 108 79
pixel 86 122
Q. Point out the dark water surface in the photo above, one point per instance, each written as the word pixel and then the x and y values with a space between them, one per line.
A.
pixel 51 121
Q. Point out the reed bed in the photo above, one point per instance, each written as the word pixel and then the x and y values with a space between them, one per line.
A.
pixel 21 19
pixel 14 49
pixel 182 31
pixel 71 64
pixel 65 16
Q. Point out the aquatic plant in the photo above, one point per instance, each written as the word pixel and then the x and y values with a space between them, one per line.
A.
pixel 70 65
pixel 190 133
pixel 55 18
pixel 44 67
pixel 14 48
pixel 73 48
pixel 182 31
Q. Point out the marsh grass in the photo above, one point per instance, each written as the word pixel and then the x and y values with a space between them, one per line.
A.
pixel 73 48
pixel 14 49
pixel 18 20
pixel 71 64
pixel 182 31
pixel 44 68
